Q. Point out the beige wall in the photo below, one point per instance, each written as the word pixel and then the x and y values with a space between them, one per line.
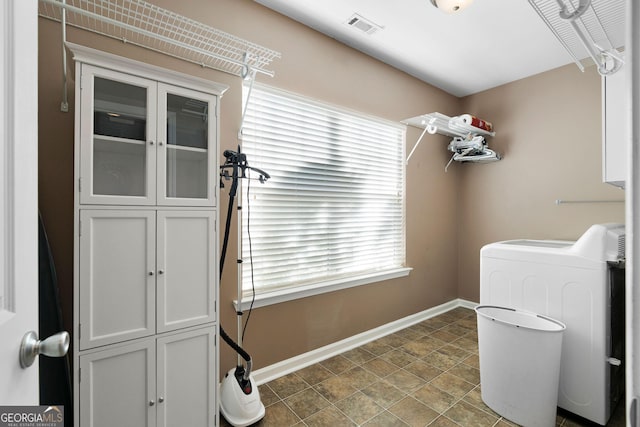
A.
pixel 315 66
pixel 548 127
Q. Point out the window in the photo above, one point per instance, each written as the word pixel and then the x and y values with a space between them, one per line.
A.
pixel 332 215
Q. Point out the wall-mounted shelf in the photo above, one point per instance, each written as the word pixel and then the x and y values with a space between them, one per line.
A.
pixel 587 28
pixel 444 125
pixel 149 26
pixel 152 27
pixel 468 142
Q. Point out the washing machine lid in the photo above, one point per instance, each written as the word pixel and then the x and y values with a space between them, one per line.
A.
pixel 599 244
pixel 554 252
pixel 552 244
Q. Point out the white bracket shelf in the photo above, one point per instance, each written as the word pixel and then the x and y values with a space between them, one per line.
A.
pixel 454 127
pixel 445 125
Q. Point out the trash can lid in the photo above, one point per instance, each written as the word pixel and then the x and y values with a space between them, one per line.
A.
pixel 520 318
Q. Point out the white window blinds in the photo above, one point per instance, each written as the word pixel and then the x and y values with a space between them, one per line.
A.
pixel 334 206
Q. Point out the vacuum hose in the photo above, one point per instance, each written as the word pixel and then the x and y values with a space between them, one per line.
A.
pixel 223 254
pixel 240 351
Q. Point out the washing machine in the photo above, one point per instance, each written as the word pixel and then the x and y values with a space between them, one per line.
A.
pixel 580 283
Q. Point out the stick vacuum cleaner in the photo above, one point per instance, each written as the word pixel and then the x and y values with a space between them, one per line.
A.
pixel 240 402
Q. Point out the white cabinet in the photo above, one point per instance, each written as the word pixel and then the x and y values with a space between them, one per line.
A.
pixel 614 128
pixel 118 382
pixel 117 293
pixel 186 379
pixel 145 245
pixel 165 381
pixel 144 272
pixel 186 265
pixel 145 142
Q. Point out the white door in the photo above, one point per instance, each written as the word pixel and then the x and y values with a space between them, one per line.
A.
pixel 117 276
pixel 186 261
pixel 186 147
pixel 186 369
pixel 118 139
pixel 118 386
pixel 18 196
pixel 633 220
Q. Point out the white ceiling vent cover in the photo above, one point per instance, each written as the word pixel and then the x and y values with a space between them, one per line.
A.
pixel 363 24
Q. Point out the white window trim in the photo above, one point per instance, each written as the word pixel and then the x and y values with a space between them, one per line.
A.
pixel 289 294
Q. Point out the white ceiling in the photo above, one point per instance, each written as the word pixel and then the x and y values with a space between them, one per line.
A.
pixel 490 43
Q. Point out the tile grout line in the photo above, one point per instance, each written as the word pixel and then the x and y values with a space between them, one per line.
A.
pixel 410 334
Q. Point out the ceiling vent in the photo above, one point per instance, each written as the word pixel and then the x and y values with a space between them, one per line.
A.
pixel 362 24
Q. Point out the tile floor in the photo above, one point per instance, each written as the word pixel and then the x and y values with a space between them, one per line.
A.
pixel 425 375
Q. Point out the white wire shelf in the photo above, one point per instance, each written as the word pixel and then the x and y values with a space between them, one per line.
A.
pixel 149 26
pixel 445 125
pixel 589 28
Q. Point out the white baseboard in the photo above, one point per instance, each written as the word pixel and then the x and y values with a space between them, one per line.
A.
pixel 466 304
pixel 277 370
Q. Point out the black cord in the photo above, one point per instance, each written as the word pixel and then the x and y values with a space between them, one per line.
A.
pixel 253 287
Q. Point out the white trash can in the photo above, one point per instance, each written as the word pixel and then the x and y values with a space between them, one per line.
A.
pixel 519 364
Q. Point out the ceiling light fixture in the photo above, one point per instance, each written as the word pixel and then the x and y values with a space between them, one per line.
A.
pixel 451 6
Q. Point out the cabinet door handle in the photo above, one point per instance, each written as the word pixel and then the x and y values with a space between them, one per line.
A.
pixel 160 271
pixel 160 143
pixel 160 399
pixel 613 361
pixel 152 402
pixel 150 142
pixel 151 273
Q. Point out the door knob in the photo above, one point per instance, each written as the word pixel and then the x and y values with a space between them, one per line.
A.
pixel 55 346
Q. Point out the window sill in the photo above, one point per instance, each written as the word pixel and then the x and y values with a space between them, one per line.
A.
pixel 276 297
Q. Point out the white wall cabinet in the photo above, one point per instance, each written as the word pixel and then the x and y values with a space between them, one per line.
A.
pixel 165 381
pixel 117 295
pixel 144 272
pixel 185 266
pixel 145 245
pixel 145 143
pixel 615 136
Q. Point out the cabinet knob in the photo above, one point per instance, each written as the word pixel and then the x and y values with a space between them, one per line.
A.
pixel 160 143
pixel 150 142
pixel 160 271
pixel 151 273
pixel 152 402
pixel 160 399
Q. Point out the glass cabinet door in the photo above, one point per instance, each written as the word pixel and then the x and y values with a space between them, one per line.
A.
pixel 118 131
pixel 186 147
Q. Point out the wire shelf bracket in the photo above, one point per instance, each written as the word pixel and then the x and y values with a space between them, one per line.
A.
pixel 149 26
pixel 587 28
